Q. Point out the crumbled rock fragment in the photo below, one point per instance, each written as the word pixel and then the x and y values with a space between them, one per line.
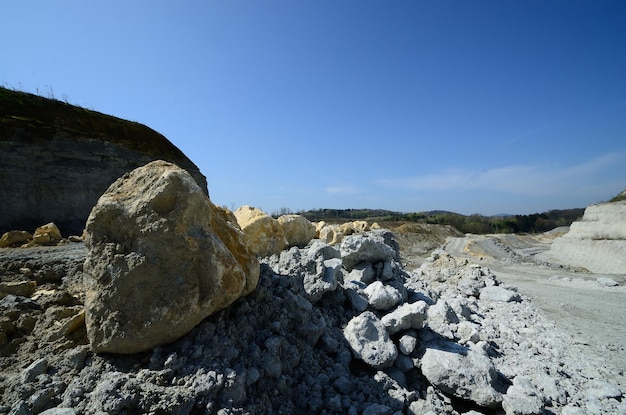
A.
pixel 369 340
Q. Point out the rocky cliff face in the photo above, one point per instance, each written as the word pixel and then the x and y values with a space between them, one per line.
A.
pixel 57 159
pixel 596 242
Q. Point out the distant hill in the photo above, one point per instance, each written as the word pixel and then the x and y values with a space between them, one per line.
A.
pixel 537 222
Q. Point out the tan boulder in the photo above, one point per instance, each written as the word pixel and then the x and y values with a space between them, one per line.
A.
pixel 263 233
pixel 297 229
pixel 13 238
pixel 357 226
pixel 47 234
pixel 331 234
pixel 161 258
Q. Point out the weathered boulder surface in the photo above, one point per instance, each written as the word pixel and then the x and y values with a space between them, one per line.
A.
pixel 264 233
pixel 57 159
pixel 597 242
pixel 160 259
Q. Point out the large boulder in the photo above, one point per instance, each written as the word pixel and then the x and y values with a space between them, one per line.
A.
pixel 264 233
pixel 47 234
pixel 161 257
pixel 297 229
pixel 57 159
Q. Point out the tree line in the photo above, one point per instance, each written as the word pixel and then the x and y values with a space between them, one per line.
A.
pixel 478 224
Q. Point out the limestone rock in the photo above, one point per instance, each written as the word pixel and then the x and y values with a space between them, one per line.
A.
pixel 381 296
pixel 318 266
pixel 225 225
pixel 369 340
pixel 47 234
pixel 463 372
pixel 297 229
pixel 497 293
pixel 363 272
pixel 406 316
pixel 12 238
pixel 331 234
pixel 264 233
pixel 161 257
pixel 374 246
pixel 522 398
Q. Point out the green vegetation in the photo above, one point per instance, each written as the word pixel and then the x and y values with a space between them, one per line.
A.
pixel 535 223
pixel 619 197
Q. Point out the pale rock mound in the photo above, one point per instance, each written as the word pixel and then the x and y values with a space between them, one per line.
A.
pixel 264 233
pixel 297 229
pixel 597 242
pixel 161 257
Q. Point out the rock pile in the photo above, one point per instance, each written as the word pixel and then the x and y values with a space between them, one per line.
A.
pixel 333 330
pixel 167 310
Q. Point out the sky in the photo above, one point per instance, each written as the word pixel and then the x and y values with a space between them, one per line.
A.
pixel 485 107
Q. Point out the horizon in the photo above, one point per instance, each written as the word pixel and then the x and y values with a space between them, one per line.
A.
pixel 472 108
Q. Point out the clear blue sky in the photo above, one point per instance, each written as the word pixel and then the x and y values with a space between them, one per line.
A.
pixel 469 106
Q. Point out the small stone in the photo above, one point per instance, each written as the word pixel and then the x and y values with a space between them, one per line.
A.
pixel 407 343
pixel 33 370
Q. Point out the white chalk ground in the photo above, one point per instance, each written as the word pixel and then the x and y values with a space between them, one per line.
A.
pixel 580 302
